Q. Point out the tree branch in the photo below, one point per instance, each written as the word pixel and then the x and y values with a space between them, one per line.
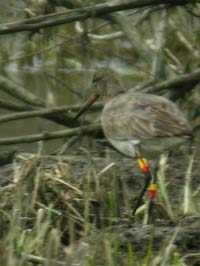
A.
pixel 6 104
pixel 50 135
pixel 183 82
pixel 33 101
pixel 44 112
pixel 19 92
pixel 84 13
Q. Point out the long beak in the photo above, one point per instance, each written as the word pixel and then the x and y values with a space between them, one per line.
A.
pixel 93 97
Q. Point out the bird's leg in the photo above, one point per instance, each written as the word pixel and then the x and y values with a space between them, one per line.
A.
pixel 146 171
pixel 152 189
pixel 150 184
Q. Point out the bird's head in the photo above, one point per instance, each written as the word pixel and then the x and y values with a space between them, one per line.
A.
pixel 105 84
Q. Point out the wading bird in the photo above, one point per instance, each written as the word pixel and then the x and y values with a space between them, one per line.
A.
pixel 138 125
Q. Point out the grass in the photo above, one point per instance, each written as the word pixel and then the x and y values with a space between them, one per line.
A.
pixel 72 211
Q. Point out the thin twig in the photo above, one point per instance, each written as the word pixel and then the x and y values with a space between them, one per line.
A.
pixel 158 60
pixel 183 81
pixel 19 92
pixel 50 135
pixel 30 114
pixel 6 104
pixel 44 112
pixel 40 260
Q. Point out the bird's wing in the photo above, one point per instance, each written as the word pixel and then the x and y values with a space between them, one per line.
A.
pixel 170 122
pixel 143 117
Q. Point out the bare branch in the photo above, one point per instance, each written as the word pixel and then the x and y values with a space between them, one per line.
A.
pixel 19 92
pixel 6 104
pixel 43 112
pixel 183 82
pixel 183 40
pixel 85 13
pixel 158 67
pixel 50 135
pixel 33 101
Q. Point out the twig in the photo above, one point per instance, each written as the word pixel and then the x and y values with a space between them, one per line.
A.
pixel 181 82
pixel 40 260
pixel 123 22
pixel 63 84
pixel 13 106
pixel 90 33
pixel 19 92
pixel 175 61
pixel 29 114
pixel 44 112
pixel 102 37
pixel 50 135
pixel 84 13
pixel 182 39
pixel 61 150
pixel 158 60
pixel 33 101
pixel 51 47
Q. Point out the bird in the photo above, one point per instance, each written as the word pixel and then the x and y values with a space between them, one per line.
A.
pixel 138 125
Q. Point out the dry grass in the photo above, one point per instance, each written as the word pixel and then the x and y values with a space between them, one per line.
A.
pixel 76 211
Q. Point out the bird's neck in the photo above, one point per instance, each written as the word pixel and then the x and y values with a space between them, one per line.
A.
pixel 114 90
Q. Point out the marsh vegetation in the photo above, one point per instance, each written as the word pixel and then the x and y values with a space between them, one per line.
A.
pixel 66 196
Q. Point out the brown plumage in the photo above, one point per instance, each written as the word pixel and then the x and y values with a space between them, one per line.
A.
pixel 133 119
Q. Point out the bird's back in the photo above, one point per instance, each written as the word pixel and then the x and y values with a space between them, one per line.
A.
pixel 137 117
